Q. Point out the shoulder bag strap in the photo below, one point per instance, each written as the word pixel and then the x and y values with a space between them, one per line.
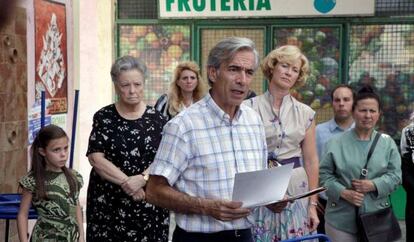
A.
pixel 364 171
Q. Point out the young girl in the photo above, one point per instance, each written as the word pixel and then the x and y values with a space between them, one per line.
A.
pixel 53 189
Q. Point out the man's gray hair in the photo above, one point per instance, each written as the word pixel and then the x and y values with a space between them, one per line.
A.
pixel 127 63
pixel 225 50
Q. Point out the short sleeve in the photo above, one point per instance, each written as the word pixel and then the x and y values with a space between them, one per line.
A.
pixel 79 178
pixel 28 182
pixel 172 155
pixel 310 116
pixel 97 138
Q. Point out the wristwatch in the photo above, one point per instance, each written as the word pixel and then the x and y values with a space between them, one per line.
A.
pixel 146 177
pixel 313 203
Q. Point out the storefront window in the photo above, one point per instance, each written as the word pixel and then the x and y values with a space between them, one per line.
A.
pixel 383 56
pixel 210 37
pixel 322 47
pixel 161 47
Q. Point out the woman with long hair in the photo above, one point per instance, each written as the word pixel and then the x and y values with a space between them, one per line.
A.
pixel 186 88
pixel 53 189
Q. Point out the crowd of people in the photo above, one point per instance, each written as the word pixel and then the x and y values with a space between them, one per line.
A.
pixel 182 155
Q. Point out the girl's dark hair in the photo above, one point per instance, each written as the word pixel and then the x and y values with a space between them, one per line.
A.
pixel 42 140
pixel 366 92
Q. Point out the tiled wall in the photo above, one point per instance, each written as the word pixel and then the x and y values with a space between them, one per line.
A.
pixel 13 108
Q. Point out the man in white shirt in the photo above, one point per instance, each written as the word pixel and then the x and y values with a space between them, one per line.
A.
pixel 342 97
pixel 205 145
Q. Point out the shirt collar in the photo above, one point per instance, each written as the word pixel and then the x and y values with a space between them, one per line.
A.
pixel 286 101
pixel 334 126
pixel 212 105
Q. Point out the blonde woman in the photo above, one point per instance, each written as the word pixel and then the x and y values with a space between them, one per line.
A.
pixel 186 88
pixel 290 137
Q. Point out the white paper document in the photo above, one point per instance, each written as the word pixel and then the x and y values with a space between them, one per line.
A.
pixel 262 187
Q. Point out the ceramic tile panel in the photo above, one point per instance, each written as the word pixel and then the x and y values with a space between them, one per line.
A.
pixel 15 135
pixel 2 167
pixel 15 107
pixel 19 54
pixel 9 184
pixel 9 28
pixel 2 54
pixel 3 137
pixel 21 23
pixel 16 167
pixel 21 78
pixel 7 41
pixel 2 104
pixel 7 78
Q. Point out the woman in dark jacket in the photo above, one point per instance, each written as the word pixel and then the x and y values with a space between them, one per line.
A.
pixel 407 166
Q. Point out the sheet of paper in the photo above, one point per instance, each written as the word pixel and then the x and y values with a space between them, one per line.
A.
pixel 262 187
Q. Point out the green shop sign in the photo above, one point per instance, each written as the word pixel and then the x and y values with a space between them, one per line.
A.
pixel 263 8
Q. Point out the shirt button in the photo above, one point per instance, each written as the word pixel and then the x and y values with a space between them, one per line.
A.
pixel 333 204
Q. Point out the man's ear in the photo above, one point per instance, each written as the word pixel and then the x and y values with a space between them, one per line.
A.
pixel 212 74
pixel 42 152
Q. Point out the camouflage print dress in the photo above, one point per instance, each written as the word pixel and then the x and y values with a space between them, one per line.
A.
pixel 57 214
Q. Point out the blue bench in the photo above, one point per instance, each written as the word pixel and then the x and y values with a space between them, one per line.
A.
pixel 9 208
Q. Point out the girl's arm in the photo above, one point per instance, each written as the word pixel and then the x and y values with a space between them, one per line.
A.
pixel 311 165
pixel 79 219
pixel 22 216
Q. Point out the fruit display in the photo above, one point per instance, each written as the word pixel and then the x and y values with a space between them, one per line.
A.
pixel 161 47
pixel 381 56
pixel 321 47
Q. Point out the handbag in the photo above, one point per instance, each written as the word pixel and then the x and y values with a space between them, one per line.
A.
pixel 380 225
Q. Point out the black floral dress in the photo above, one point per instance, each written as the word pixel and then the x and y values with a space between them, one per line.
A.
pixel 130 145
